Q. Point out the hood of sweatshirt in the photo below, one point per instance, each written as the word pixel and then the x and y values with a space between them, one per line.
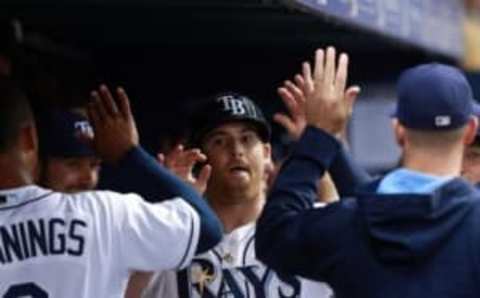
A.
pixel 408 227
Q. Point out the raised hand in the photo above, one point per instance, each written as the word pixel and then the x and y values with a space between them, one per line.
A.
pixel 113 123
pixel 328 104
pixel 181 163
pixel 293 97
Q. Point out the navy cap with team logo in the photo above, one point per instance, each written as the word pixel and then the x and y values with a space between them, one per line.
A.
pixel 224 108
pixel 62 134
pixel 434 97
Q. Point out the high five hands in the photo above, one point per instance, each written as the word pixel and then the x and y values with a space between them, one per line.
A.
pixel 321 98
pixel 182 161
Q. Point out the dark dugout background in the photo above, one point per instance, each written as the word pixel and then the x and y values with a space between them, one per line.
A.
pixel 168 54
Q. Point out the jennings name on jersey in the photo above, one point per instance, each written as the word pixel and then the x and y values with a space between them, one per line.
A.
pixel 232 270
pixel 42 237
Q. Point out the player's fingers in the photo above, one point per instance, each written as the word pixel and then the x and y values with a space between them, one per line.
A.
pixel 191 157
pixel 342 73
pixel 300 82
pixel 96 107
pixel 173 157
pixel 203 177
pixel 124 103
pixel 100 108
pixel 288 99
pixel 296 92
pixel 108 102
pixel 285 121
pixel 319 66
pixel 307 76
pixel 329 76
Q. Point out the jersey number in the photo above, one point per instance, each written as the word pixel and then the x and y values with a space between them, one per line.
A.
pixel 28 289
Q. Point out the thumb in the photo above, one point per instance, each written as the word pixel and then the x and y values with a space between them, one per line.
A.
pixel 351 95
pixel 286 122
pixel 203 177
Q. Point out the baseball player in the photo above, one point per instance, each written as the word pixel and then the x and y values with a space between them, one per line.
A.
pixel 412 233
pixel 347 174
pixel 67 161
pixel 234 135
pixel 54 244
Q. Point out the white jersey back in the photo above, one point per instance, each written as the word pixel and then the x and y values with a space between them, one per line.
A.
pixel 231 270
pixel 85 245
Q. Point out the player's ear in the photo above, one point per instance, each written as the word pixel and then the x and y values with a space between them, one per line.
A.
pixel 470 131
pixel 267 150
pixel 399 132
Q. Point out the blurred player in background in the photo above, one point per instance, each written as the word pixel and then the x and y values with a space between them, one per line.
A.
pixel 67 161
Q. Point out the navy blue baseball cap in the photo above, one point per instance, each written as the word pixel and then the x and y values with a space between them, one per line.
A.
pixel 223 108
pixel 61 134
pixel 434 97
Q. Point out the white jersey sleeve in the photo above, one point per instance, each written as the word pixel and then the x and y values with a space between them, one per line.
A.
pixel 154 236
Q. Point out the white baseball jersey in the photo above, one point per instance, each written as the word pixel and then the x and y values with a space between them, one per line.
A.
pixel 84 245
pixel 231 270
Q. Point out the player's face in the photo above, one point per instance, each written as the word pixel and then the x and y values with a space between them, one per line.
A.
pixel 72 174
pixel 238 158
pixel 471 164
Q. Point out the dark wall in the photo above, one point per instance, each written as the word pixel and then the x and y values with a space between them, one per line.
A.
pixel 169 53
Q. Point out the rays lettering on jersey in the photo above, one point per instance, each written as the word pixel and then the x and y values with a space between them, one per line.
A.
pixel 205 280
pixel 47 237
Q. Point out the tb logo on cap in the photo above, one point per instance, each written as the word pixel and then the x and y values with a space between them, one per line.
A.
pixel 237 106
pixel 83 128
pixel 442 121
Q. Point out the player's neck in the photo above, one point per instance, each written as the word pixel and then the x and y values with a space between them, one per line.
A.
pixel 235 213
pixel 11 174
pixel 434 164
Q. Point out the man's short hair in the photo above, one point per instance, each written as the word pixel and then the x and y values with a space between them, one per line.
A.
pixel 15 111
pixel 439 139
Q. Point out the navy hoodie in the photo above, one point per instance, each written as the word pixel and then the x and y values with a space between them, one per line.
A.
pixel 374 245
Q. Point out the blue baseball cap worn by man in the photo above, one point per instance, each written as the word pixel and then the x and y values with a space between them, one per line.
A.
pixel 414 233
pixel 68 163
